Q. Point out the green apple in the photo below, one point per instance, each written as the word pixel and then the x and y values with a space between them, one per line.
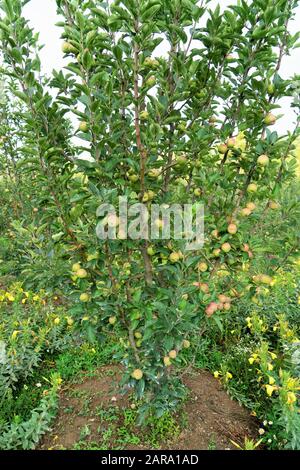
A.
pixel 263 160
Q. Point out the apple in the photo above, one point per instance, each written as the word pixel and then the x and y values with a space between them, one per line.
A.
pixel 251 206
pixel 226 247
pixel 231 142
pixel 197 192
pixel 167 361
pixel 144 115
pixel 181 160
pixel 204 287
pixel 211 309
pixel 112 320
pixel 271 88
pixel 246 247
pixel 265 279
pixel 150 251
pixel 227 306
pixel 173 354
pixel 263 160
pixel 138 335
pixel 274 205
pixel 137 374
pixel 202 267
pixel 252 188
pixel 133 178
pixel 216 252
pixel 81 273
pixel 154 173
pixel 186 344
pixel 270 119
pixel 84 297
pixel 174 257
pixel 212 120
pixel 151 195
pixel 83 126
pixel 150 82
pixel 215 233
pixel 151 63
pixel 76 267
pixel 223 298
pixel 222 148
pixel 232 229
pixel 68 48
pixel 245 212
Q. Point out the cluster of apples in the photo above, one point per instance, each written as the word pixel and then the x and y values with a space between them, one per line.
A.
pixel 224 303
pixel 246 211
pixel 79 273
pixel 138 374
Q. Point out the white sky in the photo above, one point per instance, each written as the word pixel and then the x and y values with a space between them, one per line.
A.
pixel 42 16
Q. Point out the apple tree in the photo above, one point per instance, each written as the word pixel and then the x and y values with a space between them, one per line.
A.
pixel 174 103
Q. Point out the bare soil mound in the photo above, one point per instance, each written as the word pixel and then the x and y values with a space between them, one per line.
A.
pixel 94 415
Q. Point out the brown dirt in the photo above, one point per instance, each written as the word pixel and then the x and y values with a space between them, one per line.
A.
pixel 212 419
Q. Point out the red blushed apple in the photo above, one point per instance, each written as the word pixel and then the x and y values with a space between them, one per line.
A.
pixel 223 298
pixel 222 148
pixel 226 247
pixel 232 229
pixel 204 287
pixel 211 309
pixel 251 206
pixel 270 119
pixel 231 142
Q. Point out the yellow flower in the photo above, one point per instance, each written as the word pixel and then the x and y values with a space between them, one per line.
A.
pixel 57 321
pixel 35 298
pixel 270 366
pixel 299 300
pixel 9 297
pixel 271 380
pixel 291 398
pixel 216 374
pixel 14 335
pixel 251 360
pixel 270 389
pixel 228 375
pixel 292 384
pixel 273 355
